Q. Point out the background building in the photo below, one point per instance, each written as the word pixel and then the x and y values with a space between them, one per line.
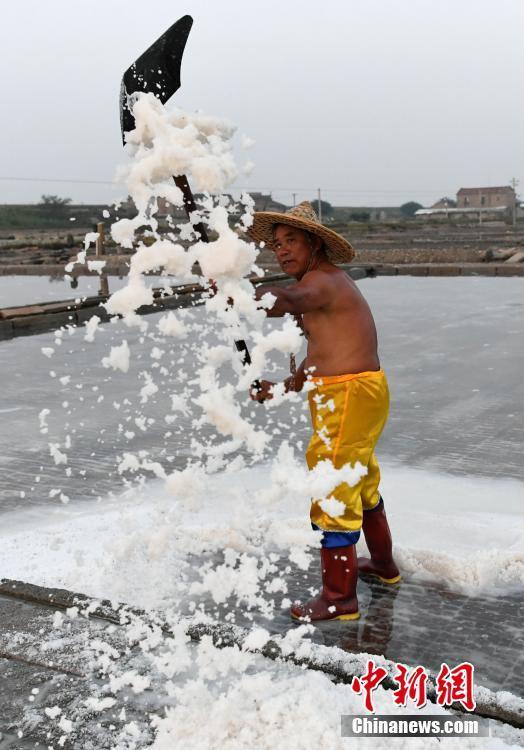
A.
pixel 486 197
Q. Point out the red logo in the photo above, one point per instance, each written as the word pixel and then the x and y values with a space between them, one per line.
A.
pixel 452 685
pixel 411 686
pixel 456 685
pixel 369 682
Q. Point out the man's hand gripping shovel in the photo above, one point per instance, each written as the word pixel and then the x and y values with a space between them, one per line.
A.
pixel 157 71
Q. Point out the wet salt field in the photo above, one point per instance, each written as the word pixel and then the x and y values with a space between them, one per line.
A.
pixel 451 454
pixel 452 349
pixel 27 290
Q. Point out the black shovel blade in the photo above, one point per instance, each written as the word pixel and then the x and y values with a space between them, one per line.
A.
pixel 157 70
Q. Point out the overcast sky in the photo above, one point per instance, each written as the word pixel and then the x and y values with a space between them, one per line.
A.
pixel 376 102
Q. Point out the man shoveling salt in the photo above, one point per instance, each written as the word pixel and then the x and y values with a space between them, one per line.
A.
pixel 348 398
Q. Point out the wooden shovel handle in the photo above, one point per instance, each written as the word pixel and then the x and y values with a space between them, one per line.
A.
pixel 189 205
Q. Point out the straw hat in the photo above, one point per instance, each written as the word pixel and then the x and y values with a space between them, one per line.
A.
pixel 304 217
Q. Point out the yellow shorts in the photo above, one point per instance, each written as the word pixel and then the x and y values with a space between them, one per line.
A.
pixel 348 413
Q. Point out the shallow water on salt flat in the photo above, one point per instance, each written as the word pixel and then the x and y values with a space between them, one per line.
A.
pixel 452 349
pixel 16 291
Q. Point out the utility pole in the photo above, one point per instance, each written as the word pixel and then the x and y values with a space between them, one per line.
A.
pixel 99 252
pixel 319 207
pixel 514 182
pixel 294 199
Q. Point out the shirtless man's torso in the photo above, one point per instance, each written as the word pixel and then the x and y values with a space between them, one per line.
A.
pixel 336 318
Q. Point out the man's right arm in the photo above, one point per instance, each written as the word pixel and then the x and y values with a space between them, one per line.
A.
pixel 311 293
pixel 292 383
pixel 296 382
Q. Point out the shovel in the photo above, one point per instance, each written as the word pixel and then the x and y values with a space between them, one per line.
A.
pixel 157 71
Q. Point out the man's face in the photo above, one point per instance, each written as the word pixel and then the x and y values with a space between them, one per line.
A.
pixel 293 249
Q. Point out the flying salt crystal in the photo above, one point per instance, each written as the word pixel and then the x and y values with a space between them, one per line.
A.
pixel 118 357
pixel 171 325
pixel 56 454
pixel 171 256
pixel 149 389
pixel 129 298
pixel 129 462
pixel 323 434
pixel 90 238
pixel 91 327
pixel 47 351
pixel 323 479
pixel 96 265
pixel 228 256
pixel 123 231
pixel 179 403
pixel 106 214
pixel 223 413
pixel 246 220
pixel 332 507
pixel 275 585
pixel 288 339
pixel 42 418
pixel 300 557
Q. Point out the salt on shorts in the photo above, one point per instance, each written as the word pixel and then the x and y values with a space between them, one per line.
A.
pixel 348 413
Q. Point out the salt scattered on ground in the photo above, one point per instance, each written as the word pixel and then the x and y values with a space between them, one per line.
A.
pixel 121 548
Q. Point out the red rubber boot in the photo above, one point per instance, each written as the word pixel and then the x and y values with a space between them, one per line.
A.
pixel 338 598
pixel 378 539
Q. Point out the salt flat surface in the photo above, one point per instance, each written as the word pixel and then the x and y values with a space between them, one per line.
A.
pixel 28 290
pixel 452 349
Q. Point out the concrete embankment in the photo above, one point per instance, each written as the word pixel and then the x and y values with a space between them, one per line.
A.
pixel 33 607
